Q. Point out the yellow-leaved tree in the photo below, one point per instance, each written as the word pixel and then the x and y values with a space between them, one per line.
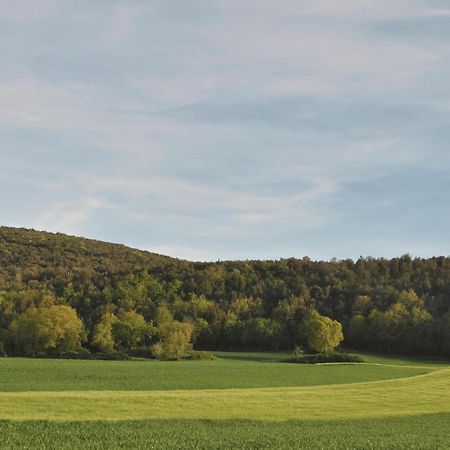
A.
pixel 57 328
pixel 322 333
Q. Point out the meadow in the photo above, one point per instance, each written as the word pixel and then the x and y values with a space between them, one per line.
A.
pixel 241 400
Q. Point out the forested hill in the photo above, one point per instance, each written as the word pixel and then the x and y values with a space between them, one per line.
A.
pixel 38 254
pixel 398 305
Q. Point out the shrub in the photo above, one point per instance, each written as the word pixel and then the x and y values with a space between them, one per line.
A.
pixel 83 353
pixel 112 356
pixel 141 352
pixel 328 358
pixel 202 356
pixel 157 350
pixel 298 352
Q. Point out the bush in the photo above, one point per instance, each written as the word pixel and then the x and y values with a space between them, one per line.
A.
pixel 298 352
pixel 175 341
pixel 202 356
pixel 328 358
pixel 141 352
pixel 112 356
pixel 158 351
pixel 83 354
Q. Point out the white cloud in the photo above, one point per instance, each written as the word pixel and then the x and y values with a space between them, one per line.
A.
pixel 190 203
pixel 68 216
pixel 235 121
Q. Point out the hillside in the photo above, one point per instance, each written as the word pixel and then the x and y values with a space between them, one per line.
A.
pixel 400 305
pixel 34 254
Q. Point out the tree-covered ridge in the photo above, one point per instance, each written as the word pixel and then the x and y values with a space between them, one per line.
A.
pixel 39 255
pixel 140 299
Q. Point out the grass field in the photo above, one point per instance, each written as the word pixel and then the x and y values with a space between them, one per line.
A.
pixel 416 432
pixel 232 370
pixel 242 400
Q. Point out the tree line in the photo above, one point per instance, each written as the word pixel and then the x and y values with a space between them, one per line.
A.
pixel 120 299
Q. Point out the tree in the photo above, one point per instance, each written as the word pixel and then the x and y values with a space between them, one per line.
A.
pixel 163 317
pixel 445 328
pixel 406 323
pixel 397 305
pixel 102 337
pixel 57 328
pixel 322 333
pixel 362 305
pixel 129 330
pixel 174 336
pixel 174 342
pixel 356 332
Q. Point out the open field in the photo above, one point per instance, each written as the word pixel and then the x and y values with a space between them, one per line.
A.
pixel 414 432
pixel 421 394
pixel 243 400
pixel 232 370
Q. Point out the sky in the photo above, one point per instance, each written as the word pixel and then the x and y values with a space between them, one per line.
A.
pixel 229 129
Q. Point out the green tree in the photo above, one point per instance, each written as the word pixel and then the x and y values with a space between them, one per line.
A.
pixel 129 330
pixel 57 328
pixel 322 333
pixel 102 337
pixel 175 341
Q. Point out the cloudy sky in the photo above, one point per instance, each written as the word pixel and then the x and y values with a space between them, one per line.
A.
pixel 229 129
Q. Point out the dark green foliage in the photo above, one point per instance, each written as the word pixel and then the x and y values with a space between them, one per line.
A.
pixel 331 357
pixel 140 352
pixel 85 354
pixel 111 356
pixel 410 433
pixel 400 305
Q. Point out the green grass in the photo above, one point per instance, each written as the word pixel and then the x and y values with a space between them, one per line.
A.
pixel 398 360
pixel 242 400
pixel 418 432
pixel 233 370
pixel 421 394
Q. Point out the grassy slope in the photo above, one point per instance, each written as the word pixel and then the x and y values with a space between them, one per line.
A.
pixel 233 370
pixel 422 394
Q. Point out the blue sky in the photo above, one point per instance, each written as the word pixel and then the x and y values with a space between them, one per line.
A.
pixel 227 129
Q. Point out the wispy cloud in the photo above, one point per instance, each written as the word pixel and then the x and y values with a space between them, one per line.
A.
pixel 225 128
pixel 70 216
